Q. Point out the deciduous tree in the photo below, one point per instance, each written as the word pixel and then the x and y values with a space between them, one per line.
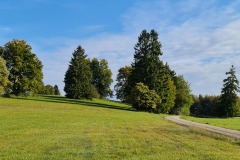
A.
pixel 144 99
pixel 4 82
pixel 101 77
pixel 122 87
pixel 184 99
pixel 24 66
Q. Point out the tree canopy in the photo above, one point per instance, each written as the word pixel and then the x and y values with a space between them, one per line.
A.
pixel 4 82
pixel 184 99
pixel 24 66
pixel 101 77
pixel 56 90
pixel 122 87
pixel 144 99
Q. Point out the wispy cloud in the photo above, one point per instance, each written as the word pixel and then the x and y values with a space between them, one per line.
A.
pixel 200 41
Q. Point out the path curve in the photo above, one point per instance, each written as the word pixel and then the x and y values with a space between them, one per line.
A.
pixel 218 130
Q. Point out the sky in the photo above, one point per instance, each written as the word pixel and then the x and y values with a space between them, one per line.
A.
pixel 200 38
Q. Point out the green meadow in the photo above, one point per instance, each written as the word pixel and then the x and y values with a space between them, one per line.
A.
pixel 53 127
pixel 230 123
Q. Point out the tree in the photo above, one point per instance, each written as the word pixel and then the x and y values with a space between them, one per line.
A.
pixel 122 87
pixel 56 90
pixel 184 98
pixel 228 100
pixel 205 105
pixel 24 67
pixel 144 99
pixel 48 90
pixel 101 77
pixel 1 51
pixel 146 60
pixel 78 77
pixel 4 82
pixel 150 70
pixel 167 91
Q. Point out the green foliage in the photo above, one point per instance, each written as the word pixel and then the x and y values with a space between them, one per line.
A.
pixel 122 87
pixel 78 77
pixel 150 70
pixel 94 92
pixel 205 106
pixel 56 90
pixel 146 64
pixel 167 91
pixel 24 67
pixel 184 99
pixel 4 73
pixel 101 77
pixel 229 99
pixel 144 99
pixel 48 90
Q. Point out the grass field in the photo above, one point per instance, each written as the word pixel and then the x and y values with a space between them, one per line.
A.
pixel 230 123
pixel 56 128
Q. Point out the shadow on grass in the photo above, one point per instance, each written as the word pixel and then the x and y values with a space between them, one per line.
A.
pixel 59 99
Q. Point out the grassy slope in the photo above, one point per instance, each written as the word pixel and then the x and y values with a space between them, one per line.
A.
pixel 231 123
pixel 59 128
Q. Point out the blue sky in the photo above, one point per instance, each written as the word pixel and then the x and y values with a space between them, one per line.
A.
pixel 200 39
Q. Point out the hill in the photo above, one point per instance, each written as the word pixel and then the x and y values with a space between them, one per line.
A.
pixel 53 127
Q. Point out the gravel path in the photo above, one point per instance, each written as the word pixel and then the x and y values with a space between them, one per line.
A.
pixel 218 130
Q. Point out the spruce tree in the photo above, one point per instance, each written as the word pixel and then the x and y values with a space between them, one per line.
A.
pixel 146 59
pixel 228 99
pixel 150 70
pixel 78 77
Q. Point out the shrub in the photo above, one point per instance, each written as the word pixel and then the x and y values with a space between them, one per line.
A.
pixel 144 99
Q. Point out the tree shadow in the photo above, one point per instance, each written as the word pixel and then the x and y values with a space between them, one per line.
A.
pixel 59 99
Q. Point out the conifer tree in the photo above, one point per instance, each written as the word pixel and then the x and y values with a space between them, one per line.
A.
pixel 78 77
pixel 228 99
pixel 150 70
pixel 146 59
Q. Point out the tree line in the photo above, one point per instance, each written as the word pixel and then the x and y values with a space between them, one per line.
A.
pixel 87 79
pixel 225 105
pixel 148 84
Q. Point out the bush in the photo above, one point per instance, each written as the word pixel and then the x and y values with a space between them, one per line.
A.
pixel 144 99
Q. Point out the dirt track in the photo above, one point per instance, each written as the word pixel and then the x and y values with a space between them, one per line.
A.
pixel 218 130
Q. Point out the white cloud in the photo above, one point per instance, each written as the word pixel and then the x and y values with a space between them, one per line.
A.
pixel 200 41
